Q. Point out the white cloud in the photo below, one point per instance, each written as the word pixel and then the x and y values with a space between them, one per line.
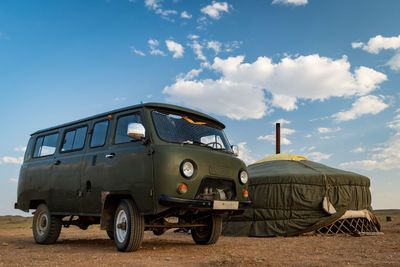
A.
pixel 214 45
pixel 245 153
pixel 378 43
pixel 243 84
pixel 137 51
pixel 307 148
pixel 12 160
pixel 186 15
pixel 20 149
pixel 394 62
pixel 327 137
pixel 156 6
pixel 153 44
pixel 395 123
pixel 358 150
pixel 193 36
pixel 369 104
pixel 215 10
pixel 198 50
pixel 271 138
pixel 230 46
pixel 284 133
pixel 357 45
pixel 317 156
pixel 192 74
pixel 175 47
pixel 385 157
pixel 329 130
pixel 308 136
pixel 14 180
pixel 219 97
pixel 282 121
pixel 290 2
pixel 119 99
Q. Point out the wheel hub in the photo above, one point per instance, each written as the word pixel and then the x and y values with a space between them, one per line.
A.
pixel 42 223
pixel 120 223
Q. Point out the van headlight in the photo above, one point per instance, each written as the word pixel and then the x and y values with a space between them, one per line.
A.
pixel 187 169
pixel 243 177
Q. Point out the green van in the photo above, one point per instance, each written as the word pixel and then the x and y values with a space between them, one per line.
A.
pixel 146 167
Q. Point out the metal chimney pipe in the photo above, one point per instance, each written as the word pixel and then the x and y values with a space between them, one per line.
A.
pixel 278 138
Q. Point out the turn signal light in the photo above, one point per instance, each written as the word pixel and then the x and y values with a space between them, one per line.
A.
pixel 182 188
pixel 245 193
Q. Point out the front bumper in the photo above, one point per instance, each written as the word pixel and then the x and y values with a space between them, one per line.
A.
pixel 178 202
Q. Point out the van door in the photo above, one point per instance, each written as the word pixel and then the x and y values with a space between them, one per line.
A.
pixel 129 162
pixel 66 192
pixel 41 166
pixel 94 174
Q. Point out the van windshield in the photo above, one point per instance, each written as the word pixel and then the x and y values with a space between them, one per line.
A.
pixel 186 130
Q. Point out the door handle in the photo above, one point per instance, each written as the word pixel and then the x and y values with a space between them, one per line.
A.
pixel 57 162
pixel 110 156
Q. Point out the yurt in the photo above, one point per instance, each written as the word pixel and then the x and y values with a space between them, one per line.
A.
pixel 292 195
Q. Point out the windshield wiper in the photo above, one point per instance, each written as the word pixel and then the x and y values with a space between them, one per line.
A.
pixel 192 142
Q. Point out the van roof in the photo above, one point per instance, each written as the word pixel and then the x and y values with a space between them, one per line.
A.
pixel 145 105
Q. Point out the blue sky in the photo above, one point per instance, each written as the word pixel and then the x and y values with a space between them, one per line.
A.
pixel 328 70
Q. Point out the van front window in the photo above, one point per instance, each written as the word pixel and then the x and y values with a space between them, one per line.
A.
pixel 187 130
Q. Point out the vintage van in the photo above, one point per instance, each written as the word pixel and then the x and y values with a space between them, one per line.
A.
pixel 146 167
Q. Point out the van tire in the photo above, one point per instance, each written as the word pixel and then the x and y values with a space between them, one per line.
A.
pixel 127 216
pixel 207 235
pixel 110 234
pixel 46 227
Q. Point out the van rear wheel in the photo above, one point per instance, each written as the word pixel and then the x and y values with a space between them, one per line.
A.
pixel 207 235
pixel 128 226
pixel 46 227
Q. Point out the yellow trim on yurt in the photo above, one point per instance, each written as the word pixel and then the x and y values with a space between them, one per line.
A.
pixel 283 156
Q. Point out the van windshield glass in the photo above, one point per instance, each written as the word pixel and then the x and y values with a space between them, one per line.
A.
pixel 184 129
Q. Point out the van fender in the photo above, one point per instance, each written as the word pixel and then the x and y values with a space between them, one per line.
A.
pixel 109 202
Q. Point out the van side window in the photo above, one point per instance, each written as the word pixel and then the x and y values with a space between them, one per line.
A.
pixel 99 134
pixel 74 139
pixel 45 145
pixel 122 128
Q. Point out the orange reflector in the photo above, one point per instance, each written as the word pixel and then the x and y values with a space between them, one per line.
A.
pixel 245 193
pixel 192 121
pixel 182 189
pixel 110 117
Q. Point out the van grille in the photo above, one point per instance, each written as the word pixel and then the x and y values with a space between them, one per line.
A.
pixel 218 189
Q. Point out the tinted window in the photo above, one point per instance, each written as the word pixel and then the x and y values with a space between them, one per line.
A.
pixel 184 129
pixel 46 145
pixel 74 139
pixel 38 146
pixel 99 134
pixel 122 128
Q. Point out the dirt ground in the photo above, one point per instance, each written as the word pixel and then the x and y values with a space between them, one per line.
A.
pixel 92 247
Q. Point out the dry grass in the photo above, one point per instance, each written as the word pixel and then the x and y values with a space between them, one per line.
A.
pixel 15 222
pixel 382 214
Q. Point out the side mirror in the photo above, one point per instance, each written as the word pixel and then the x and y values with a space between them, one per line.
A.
pixel 235 150
pixel 136 131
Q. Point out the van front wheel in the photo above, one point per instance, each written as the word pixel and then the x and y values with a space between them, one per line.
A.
pixel 110 234
pixel 46 228
pixel 207 235
pixel 128 226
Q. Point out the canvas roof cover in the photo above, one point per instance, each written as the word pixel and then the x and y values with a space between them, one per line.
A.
pixel 287 198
